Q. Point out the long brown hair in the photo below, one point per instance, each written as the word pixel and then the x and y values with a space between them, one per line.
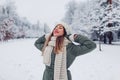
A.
pixel 59 41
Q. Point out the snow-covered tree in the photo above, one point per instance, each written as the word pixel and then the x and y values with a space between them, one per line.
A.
pixel 94 15
pixel 109 19
pixel 13 26
pixel 46 28
pixel 10 8
pixel 71 7
pixel 81 20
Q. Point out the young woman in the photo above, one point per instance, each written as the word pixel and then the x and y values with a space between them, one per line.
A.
pixel 59 51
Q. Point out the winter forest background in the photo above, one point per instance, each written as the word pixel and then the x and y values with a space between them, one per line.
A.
pixel 99 20
pixel 12 26
pixel 93 19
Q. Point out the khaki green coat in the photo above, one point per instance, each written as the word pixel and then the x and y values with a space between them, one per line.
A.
pixel 73 51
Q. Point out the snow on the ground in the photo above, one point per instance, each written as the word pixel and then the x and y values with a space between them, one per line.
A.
pixel 20 60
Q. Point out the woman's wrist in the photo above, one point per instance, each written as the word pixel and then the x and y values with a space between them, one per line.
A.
pixel 71 37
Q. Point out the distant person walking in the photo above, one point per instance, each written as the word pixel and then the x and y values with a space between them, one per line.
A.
pixel 108 36
pixel 59 51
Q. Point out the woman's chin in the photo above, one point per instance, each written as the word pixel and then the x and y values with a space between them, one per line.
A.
pixel 56 35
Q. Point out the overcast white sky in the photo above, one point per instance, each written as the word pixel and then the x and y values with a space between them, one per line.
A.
pixel 48 11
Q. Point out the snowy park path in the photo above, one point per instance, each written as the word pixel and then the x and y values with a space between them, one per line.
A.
pixel 20 60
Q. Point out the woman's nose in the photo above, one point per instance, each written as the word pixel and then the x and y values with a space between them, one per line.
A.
pixel 56 29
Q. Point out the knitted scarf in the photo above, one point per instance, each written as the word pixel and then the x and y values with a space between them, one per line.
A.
pixel 60 71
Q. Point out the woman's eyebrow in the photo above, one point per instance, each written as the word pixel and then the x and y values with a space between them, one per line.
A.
pixel 61 26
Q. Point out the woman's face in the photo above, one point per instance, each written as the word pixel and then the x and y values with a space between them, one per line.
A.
pixel 58 31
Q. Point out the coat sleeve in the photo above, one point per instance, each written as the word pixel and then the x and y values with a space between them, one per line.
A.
pixel 39 43
pixel 85 45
